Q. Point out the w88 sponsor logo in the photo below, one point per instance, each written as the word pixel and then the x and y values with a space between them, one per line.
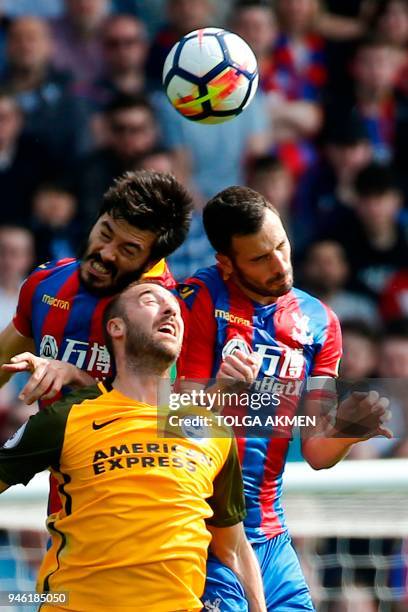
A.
pixel 277 361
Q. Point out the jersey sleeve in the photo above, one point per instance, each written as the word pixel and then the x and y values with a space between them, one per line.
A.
pixel 329 348
pixel 198 350
pixel 36 446
pixel 22 318
pixel 228 501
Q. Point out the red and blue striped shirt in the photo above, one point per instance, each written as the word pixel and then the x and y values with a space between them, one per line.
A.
pixel 297 336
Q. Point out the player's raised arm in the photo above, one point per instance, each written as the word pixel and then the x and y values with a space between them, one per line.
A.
pixel 48 376
pixel 229 543
pixel 232 548
pixel 17 337
pixel 357 418
pixel 339 425
pixel 34 447
pixel 11 343
pixel 17 350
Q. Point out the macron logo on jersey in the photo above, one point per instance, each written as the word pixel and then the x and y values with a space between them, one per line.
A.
pixel 55 302
pixel 231 318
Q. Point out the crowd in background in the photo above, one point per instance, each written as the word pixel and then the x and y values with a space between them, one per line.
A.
pixel 325 140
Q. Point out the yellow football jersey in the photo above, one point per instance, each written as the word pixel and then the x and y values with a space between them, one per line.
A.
pixel 131 534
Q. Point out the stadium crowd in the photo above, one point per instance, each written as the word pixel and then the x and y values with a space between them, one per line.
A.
pixel 325 140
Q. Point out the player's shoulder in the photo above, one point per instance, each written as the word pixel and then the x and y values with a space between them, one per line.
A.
pixel 74 398
pixel 50 268
pixel 308 305
pixel 204 280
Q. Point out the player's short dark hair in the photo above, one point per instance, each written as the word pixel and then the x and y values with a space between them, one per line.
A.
pixel 375 180
pixel 151 201
pixel 124 102
pixel 236 211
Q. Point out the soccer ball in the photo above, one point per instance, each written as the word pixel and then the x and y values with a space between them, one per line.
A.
pixel 210 75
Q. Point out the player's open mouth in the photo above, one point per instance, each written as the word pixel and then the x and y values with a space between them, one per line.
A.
pixel 99 268
pixel 168 328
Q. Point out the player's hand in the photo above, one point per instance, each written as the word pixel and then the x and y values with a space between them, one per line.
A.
pixel 363 415
pixel 47 378
pixel 240 367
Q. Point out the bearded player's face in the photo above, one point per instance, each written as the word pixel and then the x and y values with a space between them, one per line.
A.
pixel 116 255
pixel 154 325
pixel 260 263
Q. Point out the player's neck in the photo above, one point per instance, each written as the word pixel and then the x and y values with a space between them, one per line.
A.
pixel 140 387
pixel 255 297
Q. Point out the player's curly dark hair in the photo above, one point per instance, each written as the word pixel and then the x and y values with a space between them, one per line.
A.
pixel 236 211
pixel 151 201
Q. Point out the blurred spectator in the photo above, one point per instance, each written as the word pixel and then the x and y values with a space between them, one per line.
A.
pixel 360 350
pixel 125 47
pixel 52 114
pixel 375 72
pixel 373 238
pixel 393 364
pixel 132 132
pixel 296 115
pixel 270 177
pixel 77 38
pixel 390 20
pixel 195 252
pixel 299 53
pixel 256 23
pixel 326 193
pixel 374 99
pixel 394 350
pixel 56 230
pixel 394 299
pixel 213 159
pixel 16 261
pixel 325 275
pixel 183 16
pixel 152 11
pixel 158 160
pixel 359 363
pixel 149 11
pixel 23 164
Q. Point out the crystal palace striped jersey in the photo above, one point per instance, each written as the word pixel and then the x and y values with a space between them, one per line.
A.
pixel 65 319
pixel 297 337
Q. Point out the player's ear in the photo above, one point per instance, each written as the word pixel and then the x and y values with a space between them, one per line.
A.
pixel 225 265
pixel 116 327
